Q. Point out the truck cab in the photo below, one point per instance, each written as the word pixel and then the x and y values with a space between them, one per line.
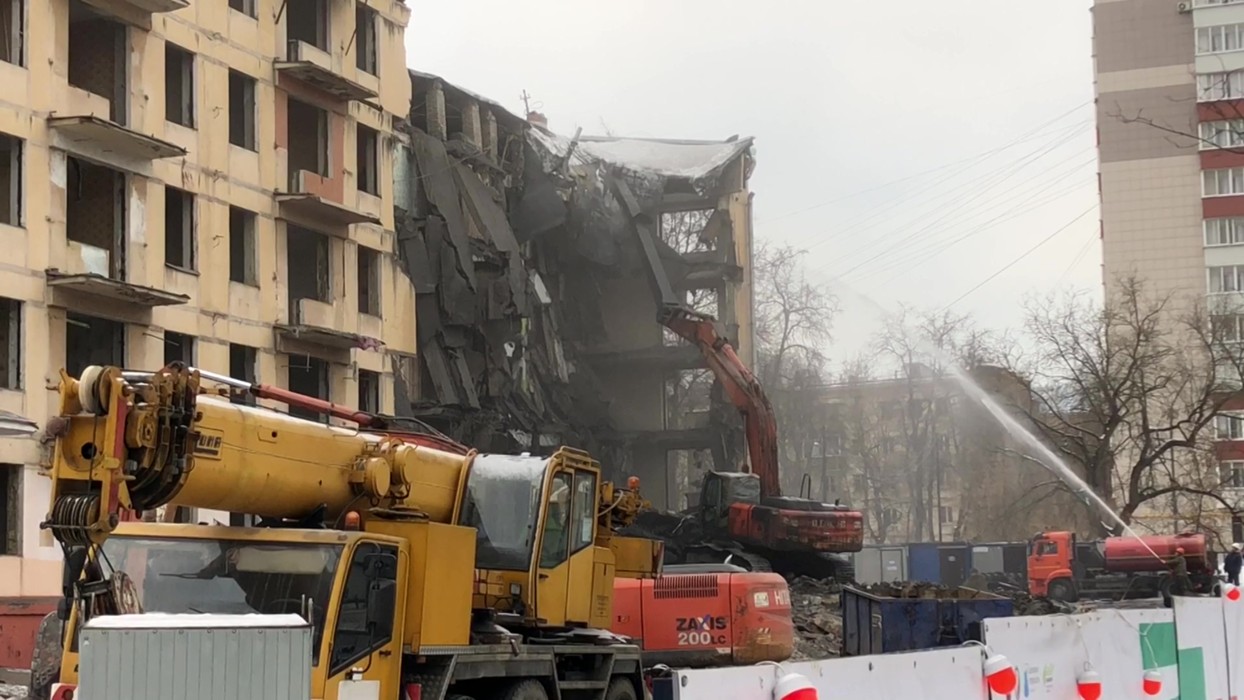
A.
pixel 1051 562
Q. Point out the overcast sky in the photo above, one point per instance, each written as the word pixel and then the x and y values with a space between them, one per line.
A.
pixel 913 148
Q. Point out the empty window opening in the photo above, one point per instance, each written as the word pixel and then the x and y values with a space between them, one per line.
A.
pixel 10 509
pixel 11 176
pixel 98 57
pixel 369 281
pixel 178 347
pixel 309 376
pixel 308 22
pixel 685 470
pixel 90 340
pixel 13 28
pixel 308 139
pixel 246 7
pixel 369 391
pixel 688 231
pixel 365 39
pixel 687 399
pixel 178 85
pixel 368 142
pixel 95 216
pixel 10 344
pixel 453 120
pixel 179 228
pixel 242 110
pixel 242 258
pixel 704 301
pixel 306 268
pixel 243 364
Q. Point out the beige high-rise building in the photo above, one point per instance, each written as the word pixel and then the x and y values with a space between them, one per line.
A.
pixel 198 180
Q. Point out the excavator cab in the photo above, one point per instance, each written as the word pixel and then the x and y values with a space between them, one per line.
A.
pixel 720 491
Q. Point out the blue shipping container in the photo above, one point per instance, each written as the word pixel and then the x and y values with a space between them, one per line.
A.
pixel 873 624
pixel 923 563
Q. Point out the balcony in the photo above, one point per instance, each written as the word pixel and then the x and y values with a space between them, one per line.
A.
pixel 313 323
pixel 309 201
pixel 89 135
pixel 123 8
pixel 313 66
pixel 88 272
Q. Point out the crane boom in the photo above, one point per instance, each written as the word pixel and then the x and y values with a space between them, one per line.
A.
pixel 169 444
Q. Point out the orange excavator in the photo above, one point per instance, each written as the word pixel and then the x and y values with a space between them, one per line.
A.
pixel 742 513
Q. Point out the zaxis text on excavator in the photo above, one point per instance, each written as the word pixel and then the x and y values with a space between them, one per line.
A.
pixel 468 576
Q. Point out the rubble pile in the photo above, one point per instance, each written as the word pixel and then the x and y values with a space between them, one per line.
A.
pixel 817 616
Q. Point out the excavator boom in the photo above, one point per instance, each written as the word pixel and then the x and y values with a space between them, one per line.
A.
pixel 741 386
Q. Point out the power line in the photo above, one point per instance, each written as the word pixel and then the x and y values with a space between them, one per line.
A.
pixel 1025 254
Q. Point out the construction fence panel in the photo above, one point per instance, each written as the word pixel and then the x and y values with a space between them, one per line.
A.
pixel 1197 650
pixel 1233 623
pixel 1051 652
pixel 1201 634
pixel 942 674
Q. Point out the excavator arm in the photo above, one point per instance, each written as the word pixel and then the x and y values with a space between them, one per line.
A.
pixel 740 385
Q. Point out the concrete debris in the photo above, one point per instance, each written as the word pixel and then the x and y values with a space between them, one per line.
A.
pixel 9 691
pixel 817 617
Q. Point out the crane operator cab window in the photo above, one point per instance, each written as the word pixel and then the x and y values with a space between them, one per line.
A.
pixel 571 522
pixel 368 603
pixel 239 577
pixel 502 503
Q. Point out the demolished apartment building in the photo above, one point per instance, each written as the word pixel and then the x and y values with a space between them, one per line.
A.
pixel 536 323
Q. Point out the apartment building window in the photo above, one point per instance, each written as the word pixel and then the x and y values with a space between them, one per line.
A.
pixel 178 85
pixel 1228 427
pixel 1225 231
pixel 1226 278
pixel 178 347
pixel 1231 474
pixel 308 22
pixel 1227 328
pixel 1220 39
pixel 369 391
pixel 369 281
pixel 92 341
pixel 307 268
pixel 1228 133
pixel 10 509
pixel 179 228
pixel 365 38
pixel 13 26
pixel 368 143
pixel 308 375
pixel 11 176
pixel 242 257
pixel 244 365
pixel 246 7
pixel 946 514
pixel 1227 85
pixel 242 111
pixel 1221 182
pixel 308 129
pixel 10 344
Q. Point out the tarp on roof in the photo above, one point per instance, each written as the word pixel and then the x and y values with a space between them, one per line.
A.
pixel 689 160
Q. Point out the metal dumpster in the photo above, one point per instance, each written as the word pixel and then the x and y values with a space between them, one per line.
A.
pixel 915 617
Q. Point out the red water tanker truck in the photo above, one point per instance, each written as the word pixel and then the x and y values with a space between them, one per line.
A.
pixel 1117 567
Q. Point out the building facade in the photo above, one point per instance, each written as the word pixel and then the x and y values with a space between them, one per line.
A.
pixel 210 182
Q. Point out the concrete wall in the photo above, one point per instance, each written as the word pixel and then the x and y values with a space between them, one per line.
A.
pixel 219 174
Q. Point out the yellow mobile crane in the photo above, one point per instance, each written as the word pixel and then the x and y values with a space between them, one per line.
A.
pixel 433 573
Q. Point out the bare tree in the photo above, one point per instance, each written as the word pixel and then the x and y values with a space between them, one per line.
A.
pixel 1129 392
pixel 792 324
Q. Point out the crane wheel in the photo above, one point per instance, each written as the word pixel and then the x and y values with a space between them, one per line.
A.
pixel 621 689
pixel 529 689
